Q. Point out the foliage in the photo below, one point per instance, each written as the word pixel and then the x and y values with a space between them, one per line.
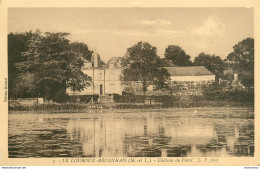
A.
pixel 211 62
pixel 83 98
pixel 47 107
pixel 17 43
pixel 167 100
pixel 138 106
pixel 61 97
pixel 166 63
pixel 48 66
pixel 228 76
pixel 242 59
pixel 25 86
pixel 232 99
pixel 129 98
pixel 141 63
pixel 82 49
pixel 177 55
pixel 226 91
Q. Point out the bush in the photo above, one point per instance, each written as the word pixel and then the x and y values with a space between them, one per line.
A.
pixel 239 96
pixel 61 97
pixel 129 98
pixel 167 100
pixel 83 98
pixel 221 92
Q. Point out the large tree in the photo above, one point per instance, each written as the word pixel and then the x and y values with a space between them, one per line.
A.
pixel 211 62
pixel 81 48
pixel 177 55
pixel 51 66
pixel 242 61
pixel 17 43
pixel 141 63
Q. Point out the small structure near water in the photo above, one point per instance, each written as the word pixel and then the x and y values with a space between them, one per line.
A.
pixel 29 101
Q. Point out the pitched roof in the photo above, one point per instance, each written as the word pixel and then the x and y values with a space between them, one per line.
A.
pixel 115 62
pixel 188 71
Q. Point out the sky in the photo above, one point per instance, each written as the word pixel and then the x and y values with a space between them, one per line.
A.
pixel 110 31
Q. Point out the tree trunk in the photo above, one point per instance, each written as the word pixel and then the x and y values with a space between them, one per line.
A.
pixel 144 88
pixel 144 93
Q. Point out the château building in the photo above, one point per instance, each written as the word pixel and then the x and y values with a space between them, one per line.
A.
pixel 106 78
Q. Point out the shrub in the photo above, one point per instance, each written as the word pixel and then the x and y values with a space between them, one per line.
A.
pixel 129 98
pixel 83 98
pixel 167 100
pixel 220 92
pixel 61 97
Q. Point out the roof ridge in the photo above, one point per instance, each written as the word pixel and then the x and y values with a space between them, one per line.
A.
pixel 199 72
pixel 189 71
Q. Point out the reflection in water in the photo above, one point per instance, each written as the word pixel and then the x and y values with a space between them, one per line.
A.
pixel 165 133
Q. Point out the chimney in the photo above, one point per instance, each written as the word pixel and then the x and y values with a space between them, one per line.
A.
pixel 94 60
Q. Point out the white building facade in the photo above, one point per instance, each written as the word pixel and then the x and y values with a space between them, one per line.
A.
pixel 188 80
pixel 197 74
pixel 105 78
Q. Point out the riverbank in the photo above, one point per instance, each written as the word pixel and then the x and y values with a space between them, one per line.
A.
pixel 75 107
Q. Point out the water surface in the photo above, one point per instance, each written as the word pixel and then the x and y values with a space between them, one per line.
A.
pixel 132 133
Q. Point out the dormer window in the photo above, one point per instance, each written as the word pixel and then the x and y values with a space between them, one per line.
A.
pixel 111 66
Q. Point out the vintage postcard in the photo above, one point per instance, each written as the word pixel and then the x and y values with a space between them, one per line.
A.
pixel 167 83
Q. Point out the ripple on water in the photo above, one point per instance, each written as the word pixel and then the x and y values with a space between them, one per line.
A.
pixel 169 133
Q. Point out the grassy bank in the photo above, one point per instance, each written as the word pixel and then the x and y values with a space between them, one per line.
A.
pixel 48 107
pixel 81 106
pixel 210 98
pixel 189 104
pixel 170 101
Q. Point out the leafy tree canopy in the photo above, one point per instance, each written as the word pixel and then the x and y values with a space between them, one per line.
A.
pixel 17 43
pixel 242 61
pixel 211 62
pixel 141 63
pixel 50 65
pixel 81 48
pixel 177 55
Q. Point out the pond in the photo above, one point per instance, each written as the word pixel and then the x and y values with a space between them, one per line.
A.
pixel 204 132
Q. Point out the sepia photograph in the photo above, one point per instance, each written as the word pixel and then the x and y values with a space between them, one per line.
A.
pixel 127 82
pixel 130 82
